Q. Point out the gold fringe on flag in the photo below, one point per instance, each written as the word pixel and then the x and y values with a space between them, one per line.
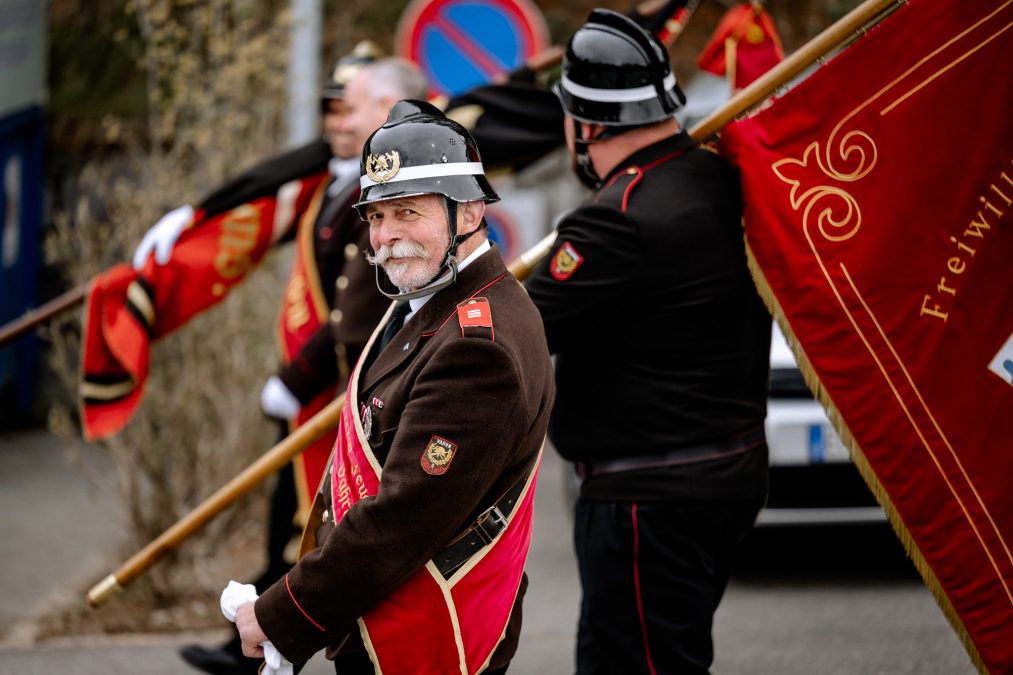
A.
pixel 858 458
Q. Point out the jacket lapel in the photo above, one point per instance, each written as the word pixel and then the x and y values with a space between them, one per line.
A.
pixel 433 316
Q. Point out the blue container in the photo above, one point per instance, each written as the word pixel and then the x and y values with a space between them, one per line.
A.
pixel 21 180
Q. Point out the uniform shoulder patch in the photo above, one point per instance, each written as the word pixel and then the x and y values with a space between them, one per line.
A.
pixel 475 317
pixel 565 262
pixel 438 455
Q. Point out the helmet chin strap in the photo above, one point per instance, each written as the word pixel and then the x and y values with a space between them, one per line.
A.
pixel 448 266
pixel 582 163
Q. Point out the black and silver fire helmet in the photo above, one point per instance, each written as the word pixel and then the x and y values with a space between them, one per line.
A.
pixel 419 151
pixel 616 73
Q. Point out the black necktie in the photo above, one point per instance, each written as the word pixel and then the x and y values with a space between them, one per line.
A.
pixel 401 310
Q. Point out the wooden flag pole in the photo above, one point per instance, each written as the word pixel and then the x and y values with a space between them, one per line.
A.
pixel 544 60
pixel 34 317
pixel 758 91
pixel 269 463
pixel 521 268
pixel 811 52
pixel 275 458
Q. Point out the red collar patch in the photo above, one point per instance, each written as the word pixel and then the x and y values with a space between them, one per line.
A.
pixel 474 312
pixel 565 262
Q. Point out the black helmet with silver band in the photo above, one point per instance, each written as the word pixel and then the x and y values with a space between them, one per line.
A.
pixel 615 74
pixel 420 151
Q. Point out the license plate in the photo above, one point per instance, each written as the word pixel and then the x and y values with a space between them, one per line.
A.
pixel 825 445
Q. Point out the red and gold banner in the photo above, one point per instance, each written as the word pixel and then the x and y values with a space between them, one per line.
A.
pixel 127 310
pixel 879 201
pixel 744 46
pixel 304 310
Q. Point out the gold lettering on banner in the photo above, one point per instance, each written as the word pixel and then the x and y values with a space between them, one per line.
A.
pixel 360 483
pixel 1009 202
pixel 344 491
pixel 238 238
pixel 297 312
pixel 980 226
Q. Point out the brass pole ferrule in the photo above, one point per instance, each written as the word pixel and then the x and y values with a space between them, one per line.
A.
pixel 101 591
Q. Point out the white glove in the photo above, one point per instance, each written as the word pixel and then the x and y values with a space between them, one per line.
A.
pixel 277 401
pixel 236 594
pixel 162 236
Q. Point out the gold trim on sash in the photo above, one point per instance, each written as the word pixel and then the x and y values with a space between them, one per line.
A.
pixel 309 272
pixel 353 392
pixel 308 541
pixel 306 241
pixel 304 266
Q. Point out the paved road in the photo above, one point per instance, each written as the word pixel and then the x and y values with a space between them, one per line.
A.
pixel 853 609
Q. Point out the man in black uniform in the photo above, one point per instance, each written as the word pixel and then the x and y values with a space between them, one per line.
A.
pixel 662 349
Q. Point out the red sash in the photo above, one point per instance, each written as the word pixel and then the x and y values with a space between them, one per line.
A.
pixel 304 309
pixel 431 624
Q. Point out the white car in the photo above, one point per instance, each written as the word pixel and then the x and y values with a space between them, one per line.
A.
pixel 812 478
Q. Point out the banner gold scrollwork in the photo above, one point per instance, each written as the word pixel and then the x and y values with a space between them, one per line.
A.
pixel 840 218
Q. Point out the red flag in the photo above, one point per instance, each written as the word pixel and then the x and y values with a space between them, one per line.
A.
pixel 879 201
pixel 128 310
pixel 746 42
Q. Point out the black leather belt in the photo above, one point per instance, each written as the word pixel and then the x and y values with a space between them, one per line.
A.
pixel 480 533
pixel 483 531
pixel 735 445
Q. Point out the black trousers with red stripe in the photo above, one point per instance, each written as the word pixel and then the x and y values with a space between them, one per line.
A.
pixel 652 574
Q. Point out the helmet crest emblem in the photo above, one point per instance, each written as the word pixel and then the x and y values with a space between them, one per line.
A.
pixel 381 168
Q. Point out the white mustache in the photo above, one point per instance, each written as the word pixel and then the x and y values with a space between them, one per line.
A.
pixel 401 249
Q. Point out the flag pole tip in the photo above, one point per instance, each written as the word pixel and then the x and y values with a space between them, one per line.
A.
pixel 101 591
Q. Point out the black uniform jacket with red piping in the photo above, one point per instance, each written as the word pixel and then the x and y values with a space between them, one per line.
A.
pixel 660 337
pixel 485 392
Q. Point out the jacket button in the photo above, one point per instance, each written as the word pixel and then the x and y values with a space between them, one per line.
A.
pixel 337 315
pixel 326 515
pixel 341 283
pixel 351 250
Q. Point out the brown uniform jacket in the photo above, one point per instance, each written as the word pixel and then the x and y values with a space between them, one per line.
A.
pixel 489 394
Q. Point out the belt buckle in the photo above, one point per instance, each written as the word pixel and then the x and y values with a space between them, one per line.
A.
pixel 486 531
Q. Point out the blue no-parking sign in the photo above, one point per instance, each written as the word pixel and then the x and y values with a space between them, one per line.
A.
pixel 461 44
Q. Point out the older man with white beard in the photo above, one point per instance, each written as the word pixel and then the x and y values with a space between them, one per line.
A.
pixel 424 518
